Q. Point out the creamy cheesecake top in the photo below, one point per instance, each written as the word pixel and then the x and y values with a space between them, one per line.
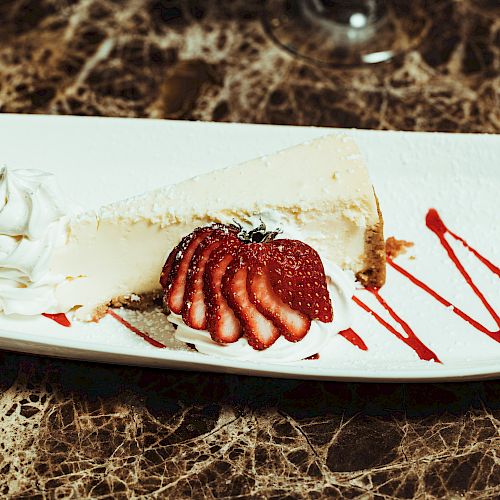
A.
pixel 313 176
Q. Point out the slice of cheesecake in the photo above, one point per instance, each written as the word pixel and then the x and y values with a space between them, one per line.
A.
pixel 319 192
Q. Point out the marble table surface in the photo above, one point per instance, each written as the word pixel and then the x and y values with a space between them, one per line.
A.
pixel 79 430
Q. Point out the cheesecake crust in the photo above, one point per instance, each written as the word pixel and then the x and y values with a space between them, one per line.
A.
pixel 137 302
pixel 374 273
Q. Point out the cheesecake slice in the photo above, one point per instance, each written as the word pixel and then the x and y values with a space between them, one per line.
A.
pixel 319 192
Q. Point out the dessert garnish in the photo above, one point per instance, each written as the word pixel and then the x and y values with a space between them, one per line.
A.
pixel 237 283
pixel 32 225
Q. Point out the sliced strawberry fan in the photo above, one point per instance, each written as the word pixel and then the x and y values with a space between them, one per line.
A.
pixel 233 283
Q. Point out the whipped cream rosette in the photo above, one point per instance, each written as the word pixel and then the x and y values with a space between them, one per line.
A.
pixel 32 224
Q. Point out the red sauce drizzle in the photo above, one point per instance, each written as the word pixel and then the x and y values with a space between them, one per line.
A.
pixel 135 330
pixel 410 339
pixel 354 339
pixel 434 222
pixel 313 356
pixel 59 318
pixel 436 225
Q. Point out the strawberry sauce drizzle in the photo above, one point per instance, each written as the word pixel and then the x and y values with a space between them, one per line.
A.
pixel 313 356
pixel 354 339
pixel 436 225
pixel 59 318
pixel 411 340
pixel 434 222
pixel 135 330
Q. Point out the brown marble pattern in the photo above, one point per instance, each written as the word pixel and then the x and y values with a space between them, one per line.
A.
pixel 212 61
pixel 76 430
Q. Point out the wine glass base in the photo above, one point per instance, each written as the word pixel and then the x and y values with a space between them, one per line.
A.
pixel 362 33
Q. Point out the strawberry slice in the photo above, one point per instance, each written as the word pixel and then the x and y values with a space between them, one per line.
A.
pixel 175 284
pixel 194 307
pixel 167 267
pixel 223 325
pixel 171 265
pixel 293 324
pixel 259 331
pixel 298 278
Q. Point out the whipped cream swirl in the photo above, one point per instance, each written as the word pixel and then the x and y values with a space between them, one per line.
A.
pixel 341 288
pixel 32 223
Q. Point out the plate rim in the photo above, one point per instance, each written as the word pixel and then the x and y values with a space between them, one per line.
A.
pixel 479 370
pixel 183 360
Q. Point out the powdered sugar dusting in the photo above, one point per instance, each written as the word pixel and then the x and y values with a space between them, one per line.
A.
pixel 154 323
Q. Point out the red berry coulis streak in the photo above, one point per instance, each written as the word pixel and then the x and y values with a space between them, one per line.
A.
pixel 434 222
pixel 313 356
pixel 354 339
pixel 410 339
pixel 436 225
pixel 59 318
pixel 135 330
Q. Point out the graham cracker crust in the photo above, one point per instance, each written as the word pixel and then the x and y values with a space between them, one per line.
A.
pixel 374 273
pixel 138 302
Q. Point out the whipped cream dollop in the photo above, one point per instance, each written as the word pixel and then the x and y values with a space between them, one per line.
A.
pixel 341 289
pixel 32 224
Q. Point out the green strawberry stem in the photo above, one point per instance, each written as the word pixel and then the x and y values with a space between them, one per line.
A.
pixel 258 234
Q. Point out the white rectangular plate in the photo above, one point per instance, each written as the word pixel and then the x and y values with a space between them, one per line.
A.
pixel 98 160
